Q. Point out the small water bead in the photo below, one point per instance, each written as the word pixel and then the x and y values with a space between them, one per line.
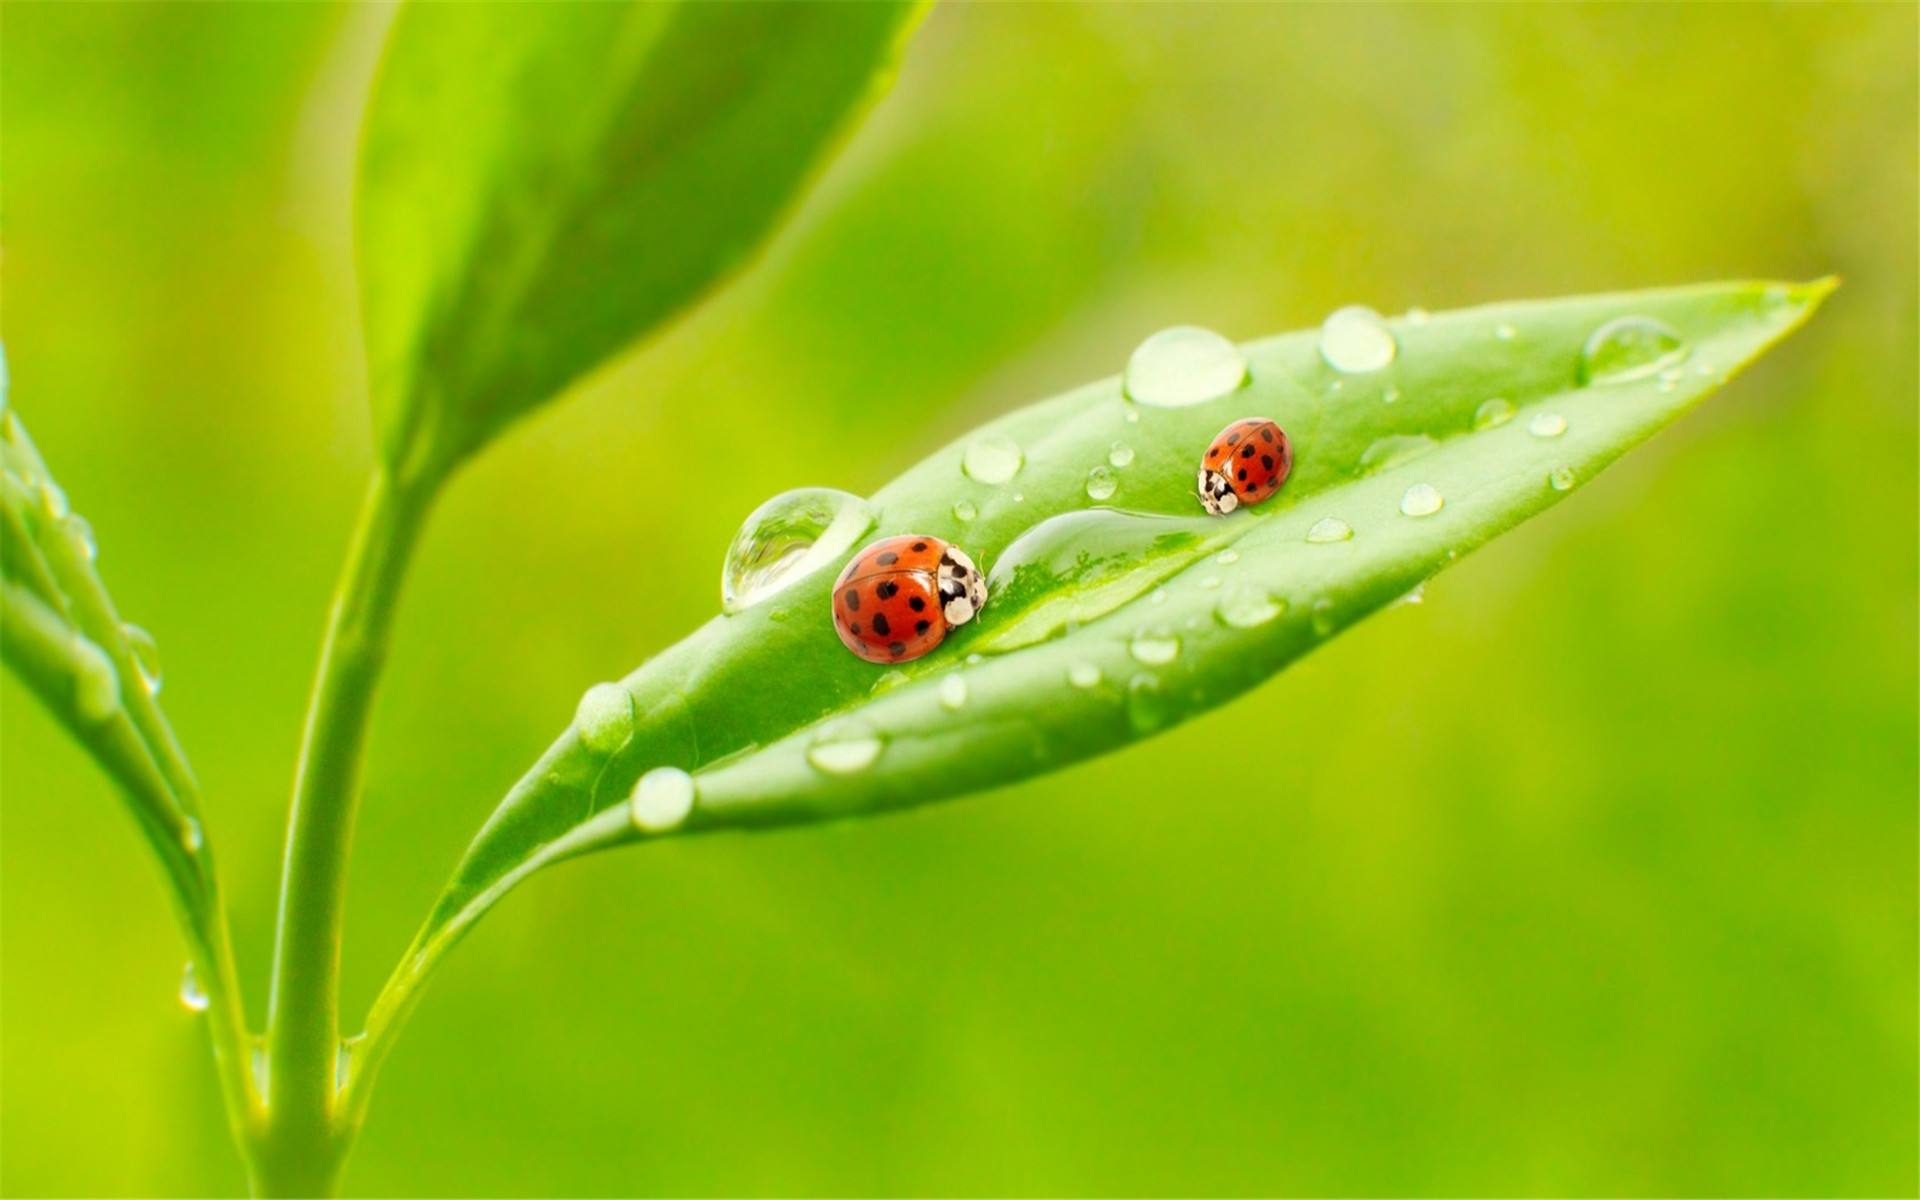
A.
pixel 1083 675
pixel 1629 348
pixel 1155 649
pixel 1227 558
pixel 96 685
pixel 1354 340
pixel 844 750
pixel 1547 425
pixel 1147 707
pixel 1120 455
pixel 787 538
pixel 1421 500
pixel 1562 479
pixel 1329 529
pixel 1183 365
pixel 1210 582
pixel 1417 596
pixel 146 657
pixel 1392 451
pixel 1019 497
pixel 963 510
pixel 1243 607
pixel 81 531
pixel 193 997
pixel 994 459
pixel 953 693
pixel 192 837
pixel 1493 413
pixel 1505 331
pixel 1323 617
pixel 1101 483
pixel 661 800
pixel 604 717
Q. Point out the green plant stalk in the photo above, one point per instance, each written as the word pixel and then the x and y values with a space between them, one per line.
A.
pixel 301 1149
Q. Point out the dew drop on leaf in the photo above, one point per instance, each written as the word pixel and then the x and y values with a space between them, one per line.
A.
pixel 192 837
pixel 1421 500
pixel 1418 316
pixel 604 717
pixel 1146 703
pixel 1183 365
pixel 661 800
pixel 1155 648
pixel 1323 617
pixel 1120 455
pixel 1416 596
pixel 96 685
pixel 1244 607
pixel 1083 675
pixel 1101 483
pixel 993 459
pixel 81 531
pixel 1493 413
pixel 1547 425
pixel 785 539
pixel 193 997
pixel 1629 348
pixel 953 693
pixel 1210 582
pixel 1562 479
pixel 844 750
pixel 1329 529
pixel 1227 558
pixel 146 657
pixel 1354 340
pixel 53 501
pixel 964 510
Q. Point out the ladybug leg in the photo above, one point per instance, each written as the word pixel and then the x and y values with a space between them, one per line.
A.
pixel 1216 493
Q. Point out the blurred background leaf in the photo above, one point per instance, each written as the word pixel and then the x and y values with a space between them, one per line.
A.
pixel 543 184
pixel 1489 940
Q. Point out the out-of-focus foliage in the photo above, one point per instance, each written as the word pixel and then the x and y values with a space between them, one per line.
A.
pixel 1593 873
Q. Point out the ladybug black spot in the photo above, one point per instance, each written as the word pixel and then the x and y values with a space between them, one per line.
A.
pixel 852 597
pixel 919 545
pixel 917 604
pixel 1217 451
pixel 887 559
pixel 1242 473
pixel 854 628
pixel 1247 452
pixel 1266 460
pixel 1266 435
pixel 885 589
pixel 896 648
pixel 880 625
pixel 1233 439
pixel 921 626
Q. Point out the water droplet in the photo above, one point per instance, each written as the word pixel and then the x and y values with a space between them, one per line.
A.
pixel 1245 607
pixel 1159 596
pixel 1227 558
pixel 96 685
pixel 1183 365
pixel 963 510
pixel 604 717
pixel 1492 413
pixel 1417 596
pixel 888 681
pixel 1210 582
pixel 1083 675
pixel 81 531
pixel 974 660
pixel 1392 451
pixel 661 800
pixel 1421 500
pixel 1418 316
pixel 1629 348
pixel 993 459
pixel 1323 617
pixel 146 657
pixel 193 997
pixel 1146 704
pixel 787 538
pixel 1019 497
pixel 953 693
pixel 1390 395
pixel 845 749
pixel 1562 479
pixel 1156 648
pixel 1505 331
pixel 1120 455
pixel 1354 340
pixel 1329 529
pixel 53 501
pixel 1133 417
pixel 1101 483
pixel 1547 425
pixel 192 837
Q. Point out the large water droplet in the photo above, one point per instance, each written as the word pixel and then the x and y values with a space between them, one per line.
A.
pixel 963 510
pixel 1421 500
pixel 1562 479
pixel 193 997
pixel 1329 529
pixel 1155 648
pixel 1147 705
pixel 96 685
pixel 844 749
pixel 785 539
pixel 146 657
pixel 1083 675
pixel 1629 348
pixel 81 531
pixel 1354 340
pixel 1547 425
pixel 1183 365
pixel 1392 451
pixel 953 693
pixel 1244 607
pixel 1101 483
pixel 1492 413
pixel 661 800
pixel 1120 455
pixel 993 459
pixel 604 717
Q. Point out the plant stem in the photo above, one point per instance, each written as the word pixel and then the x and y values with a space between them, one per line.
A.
pixel 302 1146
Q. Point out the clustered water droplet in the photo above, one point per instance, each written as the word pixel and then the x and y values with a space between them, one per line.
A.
pixel 1492 413
pixel 1421 500
pixel 1101 483
pixel 787 538
pixel 1629 348
pixel 1183 365
pixel 604 717
pixel 993 459
pixel 1329 529
pixel 1355 341
pixel 1547 425
pixel 661 800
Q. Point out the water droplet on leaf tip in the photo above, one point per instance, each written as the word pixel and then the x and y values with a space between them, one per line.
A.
pixel 993 459
pixel 604 717
pixel 192 837
pixel 661 800
pixel 1183 365
pixel 787 538
pixel 1327 530
pixel 1421 500
pixel 1355 341
pixel 1417 595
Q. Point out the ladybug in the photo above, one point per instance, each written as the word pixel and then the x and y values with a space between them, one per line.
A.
pixel 1247 462
pixel 898 597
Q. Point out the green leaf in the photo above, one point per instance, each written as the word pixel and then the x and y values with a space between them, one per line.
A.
pixel 1119 626
pixel 542 184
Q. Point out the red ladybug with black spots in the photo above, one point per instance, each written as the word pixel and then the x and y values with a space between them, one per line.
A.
pixel 898 597
pixel 1246 463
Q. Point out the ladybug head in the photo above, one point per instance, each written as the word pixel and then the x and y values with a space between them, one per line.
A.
pixel 963 591
pixel 1216 493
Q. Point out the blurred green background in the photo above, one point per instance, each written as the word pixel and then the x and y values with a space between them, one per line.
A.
pixel 1594 874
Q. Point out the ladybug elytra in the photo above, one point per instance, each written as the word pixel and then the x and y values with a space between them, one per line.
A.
pixel 897 598
pixel 1246 463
